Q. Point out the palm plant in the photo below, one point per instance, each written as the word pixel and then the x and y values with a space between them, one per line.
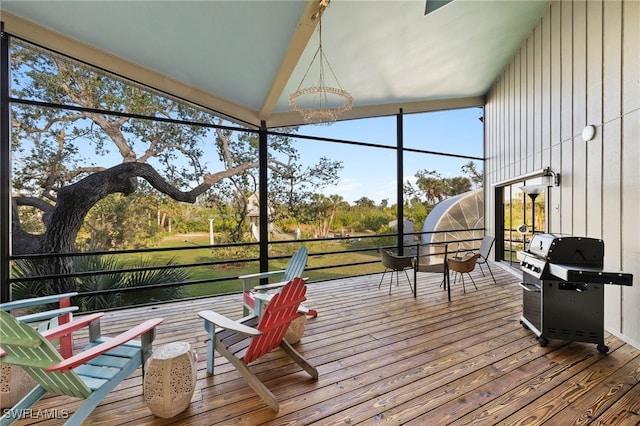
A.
pixel 136 276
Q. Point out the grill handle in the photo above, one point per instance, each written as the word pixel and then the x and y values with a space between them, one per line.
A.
pixel 530 287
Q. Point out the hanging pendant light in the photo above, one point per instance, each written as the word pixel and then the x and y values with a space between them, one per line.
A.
pixel 319 102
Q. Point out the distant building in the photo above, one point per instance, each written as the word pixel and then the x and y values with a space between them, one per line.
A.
pixel 253 213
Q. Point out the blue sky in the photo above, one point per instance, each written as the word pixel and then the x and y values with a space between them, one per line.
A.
pixel 371 172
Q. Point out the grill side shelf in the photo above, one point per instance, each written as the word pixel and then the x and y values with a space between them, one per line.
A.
pixel 574 273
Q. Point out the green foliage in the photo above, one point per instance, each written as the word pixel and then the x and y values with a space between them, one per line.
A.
pixel 375 221
pixel 122 222
pixel 98 282
pixel 417 212
pixel 477 176
pixel 52 143
pixel 31 219
pixel 385 241
pixel 295 192
pixel 29 289
pixel 320 212
pixel 432 187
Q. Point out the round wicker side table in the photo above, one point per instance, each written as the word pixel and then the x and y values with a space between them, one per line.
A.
pixel 296 330
pixel 170 379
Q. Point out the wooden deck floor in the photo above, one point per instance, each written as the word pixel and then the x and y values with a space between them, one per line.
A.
pixel 394 359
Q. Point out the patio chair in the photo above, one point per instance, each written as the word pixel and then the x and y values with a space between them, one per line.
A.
pixel 294 269
pixel 242 342
pixel 485 248
pixel 463 266
pixel 90 374
pixel 426 261
pixel 393 263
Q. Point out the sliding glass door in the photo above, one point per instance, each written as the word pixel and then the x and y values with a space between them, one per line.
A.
pixel 524 213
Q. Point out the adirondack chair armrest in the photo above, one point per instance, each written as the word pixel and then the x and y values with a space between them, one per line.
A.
pixel 84 356
pixel 248 278
pixel 272 286
pixel 264 297
pixel 268 287
pixel 227 323
pixel 47 319
pixel 260 274
pixel 70 327
pixel 66 329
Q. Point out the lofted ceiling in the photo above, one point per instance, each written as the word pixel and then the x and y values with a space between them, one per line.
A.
pixel 244 58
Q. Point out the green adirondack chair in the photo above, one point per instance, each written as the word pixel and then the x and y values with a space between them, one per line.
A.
pixel 90 374
pixel 294 269
pixel 242 342
pixel 42 313
pixel 42 320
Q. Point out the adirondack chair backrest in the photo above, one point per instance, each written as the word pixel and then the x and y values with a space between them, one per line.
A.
pixel 296 265
pixel 43 319
pixel 276 318
pixel 27 348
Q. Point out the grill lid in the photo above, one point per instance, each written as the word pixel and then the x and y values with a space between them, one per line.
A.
pixel 568 250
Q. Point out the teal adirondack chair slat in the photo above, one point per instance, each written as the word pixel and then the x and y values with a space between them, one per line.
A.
pixel 296 265
pixel 35 301
pixel 46 315
pixel 95 372
pixel 125 351
pixel 94 383
pixel 109 361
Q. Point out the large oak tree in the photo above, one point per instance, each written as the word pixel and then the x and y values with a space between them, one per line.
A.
pixel 79 135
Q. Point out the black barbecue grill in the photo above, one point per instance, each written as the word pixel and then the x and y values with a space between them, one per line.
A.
pixel 563 288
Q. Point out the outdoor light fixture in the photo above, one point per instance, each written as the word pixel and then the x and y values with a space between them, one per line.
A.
pixel 554 178
pixel 588 133
pixel 532 191
pixel 319 103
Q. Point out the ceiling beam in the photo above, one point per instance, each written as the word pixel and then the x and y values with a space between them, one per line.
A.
pixel 293 118
pixel 304 30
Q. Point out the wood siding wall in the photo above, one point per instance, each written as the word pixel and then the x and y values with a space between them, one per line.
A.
pixel 579 66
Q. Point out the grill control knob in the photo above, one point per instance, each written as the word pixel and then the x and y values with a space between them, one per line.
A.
pixel 536 269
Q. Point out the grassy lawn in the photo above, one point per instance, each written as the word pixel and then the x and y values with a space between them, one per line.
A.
pixel 232 271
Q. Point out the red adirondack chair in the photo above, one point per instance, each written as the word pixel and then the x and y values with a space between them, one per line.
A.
pixel 224 335
pixel 295 268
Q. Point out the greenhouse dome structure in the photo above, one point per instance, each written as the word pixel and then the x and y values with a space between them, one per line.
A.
pixel 461 216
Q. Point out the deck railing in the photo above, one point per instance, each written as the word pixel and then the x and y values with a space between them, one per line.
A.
pixel 213 269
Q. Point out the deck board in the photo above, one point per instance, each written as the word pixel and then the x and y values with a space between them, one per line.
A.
pixel 392 359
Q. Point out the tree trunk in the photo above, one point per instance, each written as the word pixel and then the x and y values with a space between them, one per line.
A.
pixel 64 219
